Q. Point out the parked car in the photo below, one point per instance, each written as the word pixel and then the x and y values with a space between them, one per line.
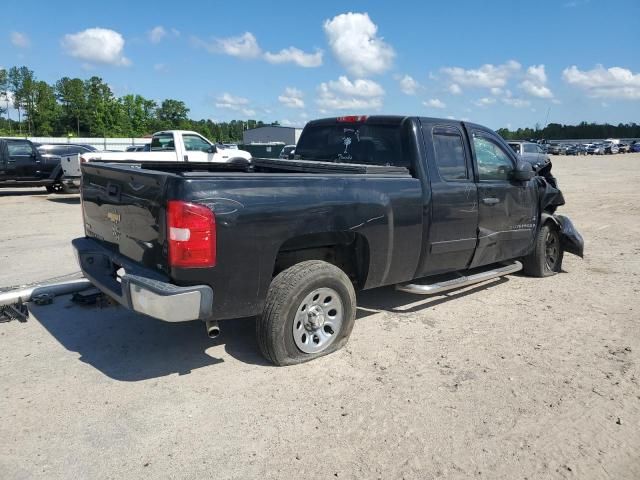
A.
pixel 138 148
pixel 382 200
pixel 63 149
pixel 624 147
pixel 635 147
pixel 530 152
pixel 611 148
pixel 287 151
pixel 22 165
pixel 595 149
pixel 554 149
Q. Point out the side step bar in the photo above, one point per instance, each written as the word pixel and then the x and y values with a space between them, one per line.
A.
pixel 459 282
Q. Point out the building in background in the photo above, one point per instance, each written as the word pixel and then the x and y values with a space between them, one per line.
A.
pixel 272 134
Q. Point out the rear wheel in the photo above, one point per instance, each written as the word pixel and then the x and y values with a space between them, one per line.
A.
pixel 546 258
pixel 309 312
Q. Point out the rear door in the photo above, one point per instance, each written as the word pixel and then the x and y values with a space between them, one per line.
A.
pixel 23 163
pixel 507 209
pixel 454 200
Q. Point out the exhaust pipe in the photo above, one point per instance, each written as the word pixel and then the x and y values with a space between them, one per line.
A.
pixel 213 330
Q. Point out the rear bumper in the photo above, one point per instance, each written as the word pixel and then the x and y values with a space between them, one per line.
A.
pixel 140 289
pixel 71 183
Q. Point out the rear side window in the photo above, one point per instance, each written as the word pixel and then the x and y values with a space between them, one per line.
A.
pixel 163 143
pixel 19 149
pixel 353 143
pixel 530 148
pixel 450 157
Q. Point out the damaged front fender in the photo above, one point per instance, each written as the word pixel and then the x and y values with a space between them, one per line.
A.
pixel 570 239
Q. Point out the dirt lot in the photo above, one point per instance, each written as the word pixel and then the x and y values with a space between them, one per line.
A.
pixel 518 378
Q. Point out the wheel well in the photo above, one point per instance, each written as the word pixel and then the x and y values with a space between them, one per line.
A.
pixel 348 251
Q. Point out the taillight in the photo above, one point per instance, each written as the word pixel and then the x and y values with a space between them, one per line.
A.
pixel 191 230
pixel 352 119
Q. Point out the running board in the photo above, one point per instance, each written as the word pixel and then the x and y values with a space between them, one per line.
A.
pixel 459 282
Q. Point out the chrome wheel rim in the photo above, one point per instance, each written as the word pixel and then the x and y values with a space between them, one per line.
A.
pixel 552 250
pixel 318 320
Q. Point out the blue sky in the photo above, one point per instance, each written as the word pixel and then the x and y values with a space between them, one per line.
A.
pixel 499 63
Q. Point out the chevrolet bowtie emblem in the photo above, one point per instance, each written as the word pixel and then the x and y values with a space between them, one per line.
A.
pixel 114 217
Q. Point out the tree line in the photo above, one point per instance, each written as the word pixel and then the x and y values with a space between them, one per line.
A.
pixel 88 108
pixel 584 130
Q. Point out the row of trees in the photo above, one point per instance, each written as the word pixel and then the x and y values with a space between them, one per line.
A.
pixel 556 131
pixel 88 108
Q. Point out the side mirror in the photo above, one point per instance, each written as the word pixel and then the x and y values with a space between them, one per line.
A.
pixel 213 149
pixel 523 172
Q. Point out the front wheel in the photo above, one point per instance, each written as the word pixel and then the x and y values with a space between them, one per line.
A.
pixel 309 312
pixel 546 258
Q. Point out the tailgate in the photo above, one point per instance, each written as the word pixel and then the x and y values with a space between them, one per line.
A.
pixel 123 207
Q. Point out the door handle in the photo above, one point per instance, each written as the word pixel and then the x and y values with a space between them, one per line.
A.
pixel 490 201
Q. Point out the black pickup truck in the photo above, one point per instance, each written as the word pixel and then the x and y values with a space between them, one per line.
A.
pixel 364 202
pixel 22 165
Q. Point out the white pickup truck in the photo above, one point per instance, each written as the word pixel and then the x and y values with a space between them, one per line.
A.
pixel 165 146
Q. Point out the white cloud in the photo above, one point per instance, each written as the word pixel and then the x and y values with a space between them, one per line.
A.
pixel 497 91
pixel 292 97
pixel 358 88
pixel 408 85
pixel 600 82
pixel 487 76
pixel 485 101
pixel 96 45
pixel 516 102
pixel 354 42
pixel 455 89
pixel 344 94
pixel 231 102
pixel 20 40
pixel 434 103
pixel 295 55
pixel 246 46
pixel 535 83
pixel 156 34
pixel 242 46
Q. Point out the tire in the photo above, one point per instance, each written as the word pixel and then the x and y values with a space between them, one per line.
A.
pixel 57 187
pixel 298 309
pixel 546 258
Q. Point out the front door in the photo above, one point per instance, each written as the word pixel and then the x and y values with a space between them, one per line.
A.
pixel 452 236
pixel 507 209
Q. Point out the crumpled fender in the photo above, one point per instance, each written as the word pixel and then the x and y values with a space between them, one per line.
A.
pixel 570 238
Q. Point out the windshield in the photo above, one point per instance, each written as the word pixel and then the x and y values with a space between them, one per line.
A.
pixel 353 143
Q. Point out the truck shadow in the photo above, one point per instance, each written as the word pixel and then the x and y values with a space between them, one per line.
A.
pixel 129 347
pixel 75 200
pixel 388 299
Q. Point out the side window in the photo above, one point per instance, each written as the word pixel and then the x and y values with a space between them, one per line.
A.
pixel 163 143
pixel 515 147
pixel 194 143
pixel 493 161
pixel 530 148
pixel 20 149
pixel 450 157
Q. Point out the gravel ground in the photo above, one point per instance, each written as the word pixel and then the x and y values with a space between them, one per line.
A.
pixel 516 378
